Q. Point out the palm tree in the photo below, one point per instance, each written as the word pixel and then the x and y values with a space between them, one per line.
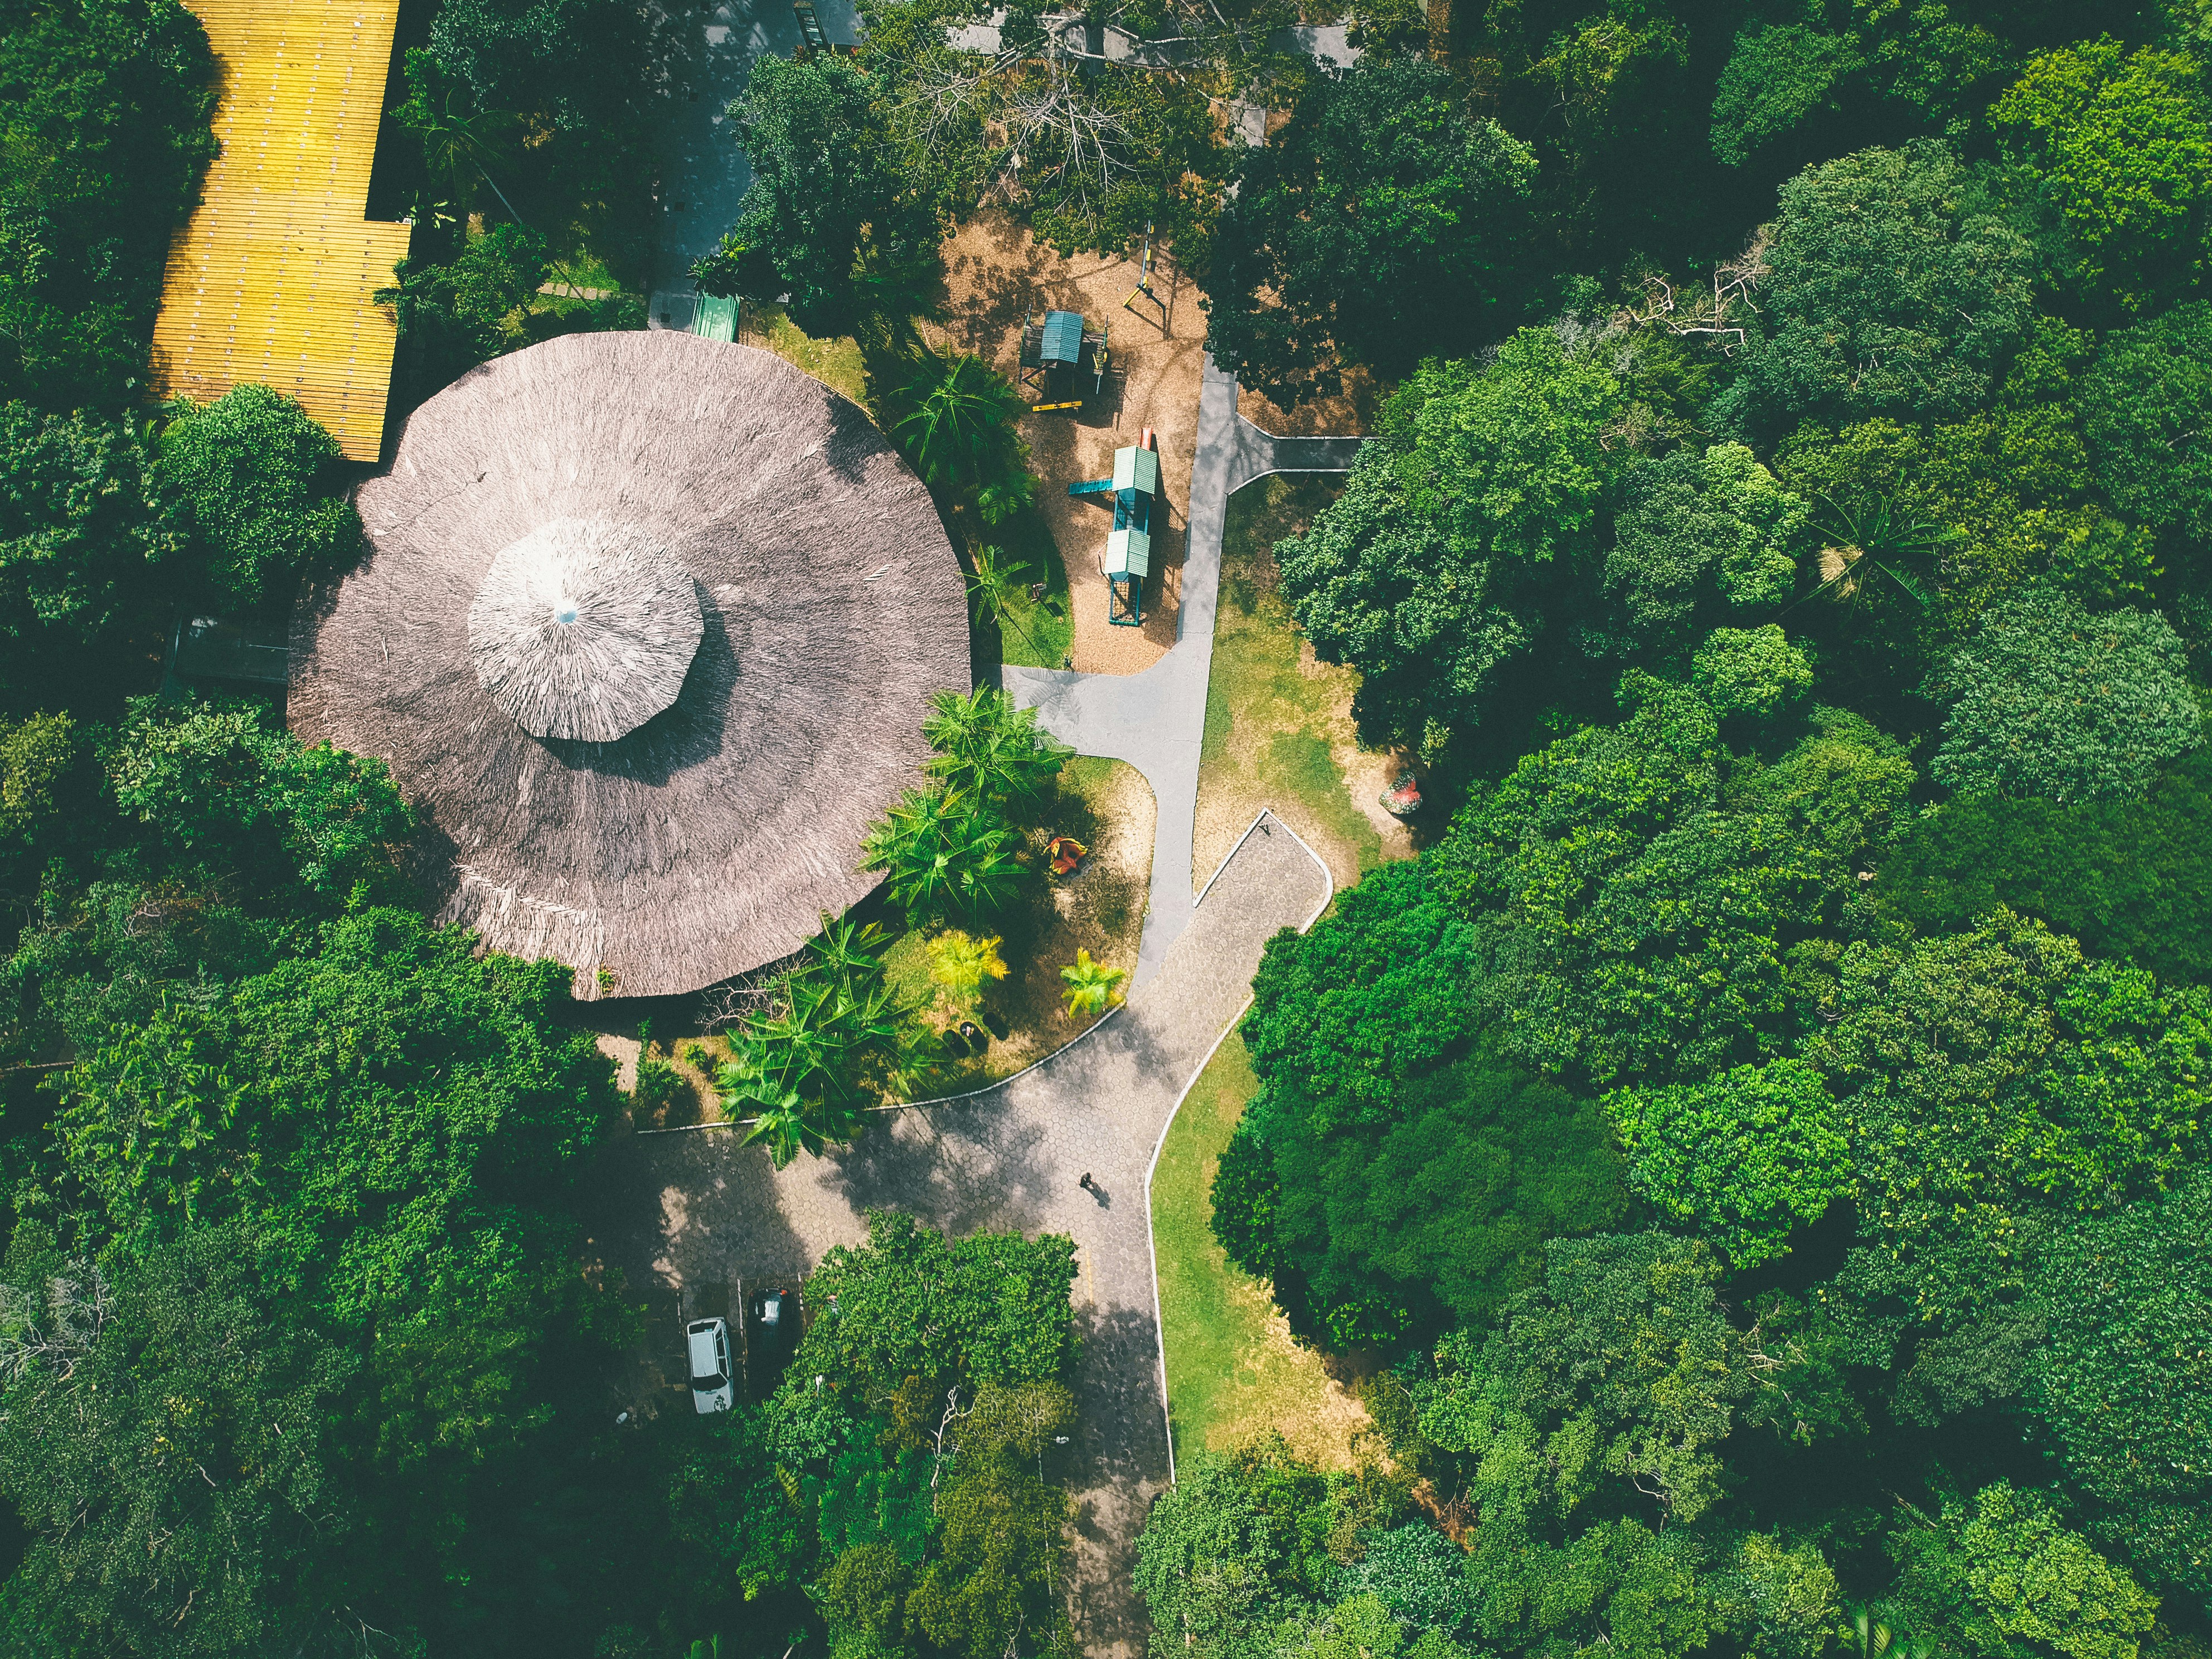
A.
pixel 991 590
pixel 1879 540
pixel 987 745
pixel 795 1073
pixel 958 430
pixel 958 964
pixel 1092 986
pixel 942 849
pixel 461 143
pixel 847 952
pixel 1876 1640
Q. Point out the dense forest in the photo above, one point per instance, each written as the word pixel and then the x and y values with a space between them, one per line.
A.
pixel 1759 1139
pixel 1755 1147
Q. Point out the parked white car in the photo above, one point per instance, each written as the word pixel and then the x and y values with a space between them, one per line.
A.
pixel 708 1341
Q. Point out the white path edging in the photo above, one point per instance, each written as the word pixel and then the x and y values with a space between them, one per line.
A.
pixel 934 1100
pixel 971 1094
pixel 1151 1242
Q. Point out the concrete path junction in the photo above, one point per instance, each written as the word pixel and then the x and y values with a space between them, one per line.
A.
pixel 1155 720
pixel 1010 1157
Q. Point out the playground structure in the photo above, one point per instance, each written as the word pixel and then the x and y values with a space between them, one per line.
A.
pixel 812 41
pixel 1144 288
pixel 1056 354
pixel 1136 487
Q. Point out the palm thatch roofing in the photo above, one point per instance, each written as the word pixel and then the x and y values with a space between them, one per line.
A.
pixel 611 472
pixel 586 628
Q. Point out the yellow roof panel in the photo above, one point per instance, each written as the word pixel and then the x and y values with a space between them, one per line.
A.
pixel 268 280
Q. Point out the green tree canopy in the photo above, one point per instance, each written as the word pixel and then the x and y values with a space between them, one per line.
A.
pixel 2001 1575
pixel 2050 700
pixel 586 65
pixel 826 190
pixel 1632 919
pixel 77 529
pixel 469 309
pixel 248 482
pixel 1897 286
pixel 1989 1079
pixel 215 780
pixel 2121 1380
pixel 991 1307
pixel 104 107
pixel 2122 144
pixel 1799 80
pixel 1747 1159
pixel 1618 1372
pixel 920 1449
pixel 1384 224
pixel 1244 1541
pixel 200 849
pixel 944 852
pixel 1438 1218
pixel 1426 576
pixel 1373 994
pixel 37 755
pixel 1750 671
pixel 1699 539
pixel 2143 407
pixel 386 1111
pixel 2130 878
pixel 165 1438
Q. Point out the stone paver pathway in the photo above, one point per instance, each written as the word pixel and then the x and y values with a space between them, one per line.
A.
pixel 1010 1158
pixel 1156 720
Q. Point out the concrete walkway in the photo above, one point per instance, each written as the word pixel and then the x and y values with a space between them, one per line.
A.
pixel 1010 1158
pixel 1155 720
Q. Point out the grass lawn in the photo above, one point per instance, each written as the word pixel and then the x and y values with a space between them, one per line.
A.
pixel 1233 1371
pixel 837 364
pixel 1036 634
pixel 1279 726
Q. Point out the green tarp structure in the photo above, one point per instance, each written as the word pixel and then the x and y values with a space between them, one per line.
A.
pixel 715 319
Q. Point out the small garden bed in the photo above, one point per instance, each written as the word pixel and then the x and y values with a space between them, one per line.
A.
pixel 1098 909
pixel 1107 806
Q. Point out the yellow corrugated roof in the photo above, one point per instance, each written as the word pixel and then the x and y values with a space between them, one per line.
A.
pixel 269 279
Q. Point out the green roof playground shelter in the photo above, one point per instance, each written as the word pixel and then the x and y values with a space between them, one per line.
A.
pixel 1057 355
pixel 1135 487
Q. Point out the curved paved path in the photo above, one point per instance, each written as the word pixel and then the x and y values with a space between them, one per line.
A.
pixel 1156 720
pixel 1010 1158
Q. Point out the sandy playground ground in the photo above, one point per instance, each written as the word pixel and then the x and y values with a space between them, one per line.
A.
pixel 996 273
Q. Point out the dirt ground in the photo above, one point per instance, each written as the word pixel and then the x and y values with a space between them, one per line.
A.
pixel 1353 411
pixel 996 274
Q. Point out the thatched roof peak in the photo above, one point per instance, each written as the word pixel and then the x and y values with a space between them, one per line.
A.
pixel 584 628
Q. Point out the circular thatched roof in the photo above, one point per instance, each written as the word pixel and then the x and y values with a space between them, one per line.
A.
pixel 827 605
pixel 584 628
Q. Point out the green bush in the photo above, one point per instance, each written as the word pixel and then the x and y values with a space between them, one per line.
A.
pixel 249 484
pixel 2049 700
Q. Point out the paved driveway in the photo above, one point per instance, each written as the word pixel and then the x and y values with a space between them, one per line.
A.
pixel 1010 1158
